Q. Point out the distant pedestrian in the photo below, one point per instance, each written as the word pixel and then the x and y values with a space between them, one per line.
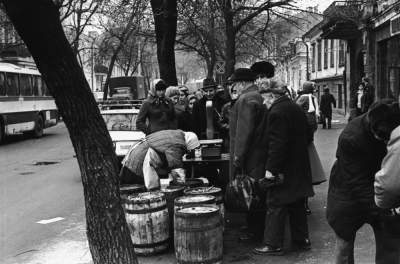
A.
pixel 287 159
pixel 350 205
pixel 309 104
pixel 327 101
pixel 157 112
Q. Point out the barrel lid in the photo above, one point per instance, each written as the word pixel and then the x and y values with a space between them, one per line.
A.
pixel 194 199
pixel 173 189
pixel 131 188
pixel 197 210
pixel 203 190
pixel 146 197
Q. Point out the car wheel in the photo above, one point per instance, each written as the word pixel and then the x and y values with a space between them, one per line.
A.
pixel 39 126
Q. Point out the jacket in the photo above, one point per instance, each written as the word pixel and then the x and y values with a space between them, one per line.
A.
pixel 156 115
pixel 170 144
pixel 327 100
pixel 288 137
pixel 244 119
pixel 387 179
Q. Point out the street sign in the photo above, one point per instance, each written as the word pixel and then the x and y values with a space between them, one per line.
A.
pixel 220 67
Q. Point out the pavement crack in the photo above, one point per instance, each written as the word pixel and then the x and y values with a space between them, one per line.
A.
pixel 24 252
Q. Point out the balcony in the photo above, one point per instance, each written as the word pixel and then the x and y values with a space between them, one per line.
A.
pixel 341 20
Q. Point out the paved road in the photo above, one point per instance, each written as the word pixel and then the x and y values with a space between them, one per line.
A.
pixel 30 193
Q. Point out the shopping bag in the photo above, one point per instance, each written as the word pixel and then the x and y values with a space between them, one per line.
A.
pixel 317 171
pixel 239 194
pixel 151 179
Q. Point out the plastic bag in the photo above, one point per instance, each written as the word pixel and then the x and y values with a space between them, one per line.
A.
pixel 239 194
pixel 151 179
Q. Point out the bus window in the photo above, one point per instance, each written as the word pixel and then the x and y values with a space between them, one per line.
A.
pixel 37 86
pixel 45 89
pixel 12 84
pixel 2 84
pixel 25 85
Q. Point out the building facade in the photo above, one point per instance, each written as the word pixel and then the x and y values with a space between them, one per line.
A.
pixel 327 63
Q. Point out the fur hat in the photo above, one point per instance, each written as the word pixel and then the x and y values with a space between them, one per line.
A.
pixel 243 75
pixel 384 116
pixel 161 85
pixel 263 69
pixel 209 83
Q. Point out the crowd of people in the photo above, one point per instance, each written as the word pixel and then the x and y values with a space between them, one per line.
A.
pixel 268 131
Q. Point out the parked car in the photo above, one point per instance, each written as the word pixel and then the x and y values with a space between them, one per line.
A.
pixel 121 124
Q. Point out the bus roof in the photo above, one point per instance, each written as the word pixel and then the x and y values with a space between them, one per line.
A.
pixel 9 67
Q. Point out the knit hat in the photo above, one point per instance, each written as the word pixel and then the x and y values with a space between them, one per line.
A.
pixel 191 140
pixel 243 75
pixel 308 87
pixel 263 69
pixel 160 85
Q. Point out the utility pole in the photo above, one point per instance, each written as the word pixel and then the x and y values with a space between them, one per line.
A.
pixel 307 59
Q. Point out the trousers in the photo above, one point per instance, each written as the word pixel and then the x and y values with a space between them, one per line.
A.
pixel 326 118
pixel 275 223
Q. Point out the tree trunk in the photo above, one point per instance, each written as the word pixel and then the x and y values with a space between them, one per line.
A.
pixel 230 56
pixel 165 20
pixel 109 71
pixel 38 24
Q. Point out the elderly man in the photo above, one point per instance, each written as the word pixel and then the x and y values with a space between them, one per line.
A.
pixel 288 165
pixel 247 151
pixel 361 148
pixel 157 155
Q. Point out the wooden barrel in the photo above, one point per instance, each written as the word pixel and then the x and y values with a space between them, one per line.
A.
pixel 171 193
pixel 128 189
pixel 189 183
pixel 198 235
pixel 214 191
pixel 190 201
pixel 147 218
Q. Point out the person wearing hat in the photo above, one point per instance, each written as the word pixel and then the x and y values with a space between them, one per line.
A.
pixel 327 100
pixel 157 112
pixel 159 154
pixel 288 163
pixel 200 111
pixel 247 152
pixel 350 203
pixel 264 71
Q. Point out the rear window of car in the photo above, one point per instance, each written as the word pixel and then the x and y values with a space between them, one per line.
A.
pixel 120 121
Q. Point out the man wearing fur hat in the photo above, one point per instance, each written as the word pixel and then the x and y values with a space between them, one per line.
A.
pixel 361 149
pixel 247 151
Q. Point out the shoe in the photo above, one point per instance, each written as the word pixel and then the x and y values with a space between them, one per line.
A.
pixel 304 245
pixel 269 250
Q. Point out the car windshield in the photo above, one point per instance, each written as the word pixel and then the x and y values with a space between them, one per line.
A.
pixel 120 121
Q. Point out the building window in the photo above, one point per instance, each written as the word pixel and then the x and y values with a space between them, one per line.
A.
pixel 326 45
pixel 313 57
pixel 341 53
pixel 319 55
pixel 332 53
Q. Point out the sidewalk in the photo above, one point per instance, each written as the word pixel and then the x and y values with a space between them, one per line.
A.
pixel 71 246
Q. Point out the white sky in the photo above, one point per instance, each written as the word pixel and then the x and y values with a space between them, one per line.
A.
pixel 322 4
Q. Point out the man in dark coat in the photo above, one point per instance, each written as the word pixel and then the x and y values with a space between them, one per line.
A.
pixel 327 100
pixel 200 112
pixel 246 152
pixel 288 137
pixel 361 148
pixel 157 112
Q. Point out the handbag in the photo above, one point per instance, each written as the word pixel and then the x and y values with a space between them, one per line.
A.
pixel 317 171
pixel 239 193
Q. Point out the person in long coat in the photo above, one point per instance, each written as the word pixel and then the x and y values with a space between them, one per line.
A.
pixel 361 149
pixel 287 160
pixel 247 152
pixel 157 112
pixel 327 101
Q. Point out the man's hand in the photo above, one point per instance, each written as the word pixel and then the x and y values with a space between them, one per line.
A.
pixel 269 176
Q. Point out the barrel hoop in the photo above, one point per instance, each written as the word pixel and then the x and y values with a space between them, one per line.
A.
pixel 155 244
pixel 208 261
pixel 146 211
pixel 199 229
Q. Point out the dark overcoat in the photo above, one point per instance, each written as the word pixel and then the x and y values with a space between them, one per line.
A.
pixel 156 114
pixel 351 186
pixel 288 138
pixel 327 100
pixel 247 152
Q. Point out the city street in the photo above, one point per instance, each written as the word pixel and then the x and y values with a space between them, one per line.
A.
pixel 31 193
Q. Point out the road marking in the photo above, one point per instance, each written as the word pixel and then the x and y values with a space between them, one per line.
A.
pixel 48 221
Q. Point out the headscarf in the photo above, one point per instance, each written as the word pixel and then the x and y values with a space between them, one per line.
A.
pixel 191 140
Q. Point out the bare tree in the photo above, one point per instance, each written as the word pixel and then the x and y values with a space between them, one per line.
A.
pixel 38 24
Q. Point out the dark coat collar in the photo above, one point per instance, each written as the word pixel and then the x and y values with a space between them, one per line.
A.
pixel 251 88
pixel 281 99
